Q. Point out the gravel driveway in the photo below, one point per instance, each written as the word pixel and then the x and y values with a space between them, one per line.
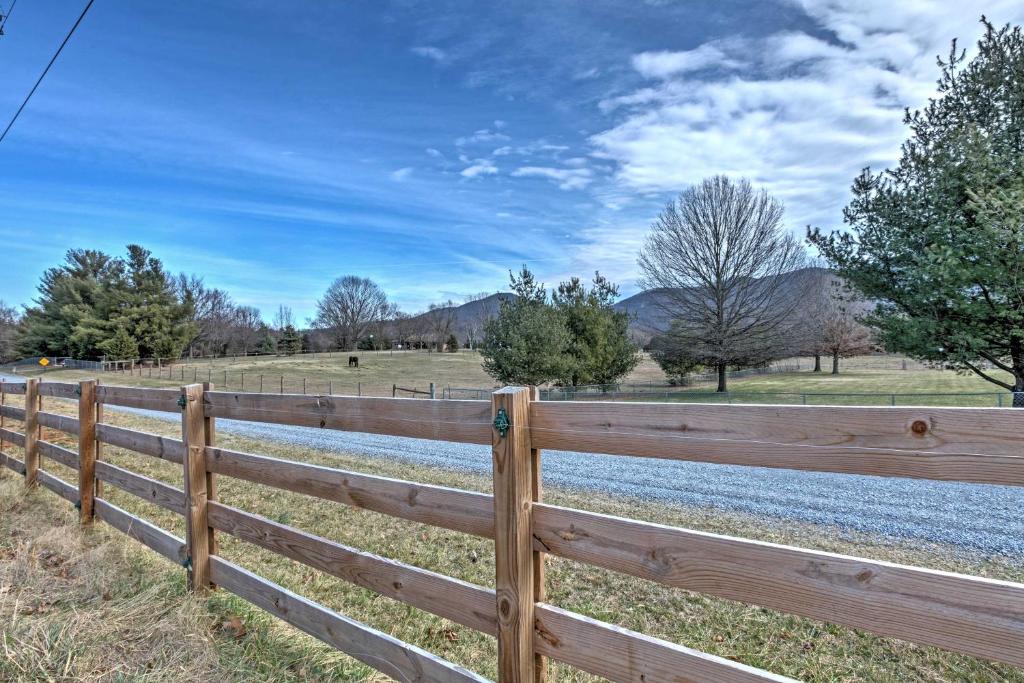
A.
pixel 977 518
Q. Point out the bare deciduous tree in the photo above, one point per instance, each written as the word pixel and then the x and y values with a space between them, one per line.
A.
pixel 483 309
pixel 283 318
pixel 720 258
pixel 440 320
pixel 8 332
pixel 350 307
pixel 214 315
pixel 248 328
pixel 842 335
pixel 400 328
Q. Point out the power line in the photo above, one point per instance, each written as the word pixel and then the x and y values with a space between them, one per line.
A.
pixel 3 18
pixel 46 70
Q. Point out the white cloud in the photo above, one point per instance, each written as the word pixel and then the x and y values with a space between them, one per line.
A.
pixel 481 136
pixel 436 153
pixel 402 173
pixel 665 64
pixel 567 178
pixel 433 53
pixel 480 167
pixel 802 117
pixel 535 148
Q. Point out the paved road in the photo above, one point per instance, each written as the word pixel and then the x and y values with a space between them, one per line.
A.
pixel 977 518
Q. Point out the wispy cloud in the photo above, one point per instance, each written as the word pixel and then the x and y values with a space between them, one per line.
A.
pixel 664 64
pixel 479 168
pixel 566 178
pixel 402 173
pixel 484 135
pixel 435 54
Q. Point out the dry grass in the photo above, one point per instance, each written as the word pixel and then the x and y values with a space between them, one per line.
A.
pixel 95 606
pixel 141 583
pixel 376 374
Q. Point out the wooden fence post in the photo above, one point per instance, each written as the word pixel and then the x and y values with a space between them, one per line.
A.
pixel 3 398
pixel 540 666
pixel 31 432
pixel 513 540
pixel 197 529
pixel 210 434
pixel 98 488
pixel 86 449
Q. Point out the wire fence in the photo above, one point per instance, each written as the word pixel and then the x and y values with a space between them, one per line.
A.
pixel 673 394
pixel 680 392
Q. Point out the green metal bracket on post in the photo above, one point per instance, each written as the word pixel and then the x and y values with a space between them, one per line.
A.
pixel 182 402
pixel 501 422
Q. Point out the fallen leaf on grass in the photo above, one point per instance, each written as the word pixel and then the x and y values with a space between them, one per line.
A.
pixel 235 626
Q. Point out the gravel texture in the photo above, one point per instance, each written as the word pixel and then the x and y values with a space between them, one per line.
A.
pixel 977 518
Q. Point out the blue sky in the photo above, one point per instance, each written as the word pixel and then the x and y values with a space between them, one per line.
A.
pixel 432 146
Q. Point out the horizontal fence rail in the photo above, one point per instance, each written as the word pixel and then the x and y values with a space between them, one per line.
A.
pixel 460 421
pixel 976 616
pixel 978 445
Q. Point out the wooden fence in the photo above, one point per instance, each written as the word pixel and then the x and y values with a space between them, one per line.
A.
pixel 972 615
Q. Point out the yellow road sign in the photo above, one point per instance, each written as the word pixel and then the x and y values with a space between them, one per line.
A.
pixel 44 361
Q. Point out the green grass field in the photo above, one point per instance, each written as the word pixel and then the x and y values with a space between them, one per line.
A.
pixel 96 606
pixel 861 387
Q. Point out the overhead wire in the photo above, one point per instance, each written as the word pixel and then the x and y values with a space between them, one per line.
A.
pixel 46 70
pixel 3 17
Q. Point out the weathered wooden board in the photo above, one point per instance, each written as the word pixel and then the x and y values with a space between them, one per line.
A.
pixel 16 438
pixel 13 412
pixel 32 402
pixel 163 542
pixel 392 657
pixel 87 408
pixel 624 656
pixel 172 450
pixel 461 421
pixel 980 445
pixel 459 601
pixel 16 388
pixel 164 400
pixel 465 511
pixel 64 456
pixel 62 423
pixel 977 616
pixel 57 485
pixel 58 390
pixel 12 463
pixel 151 490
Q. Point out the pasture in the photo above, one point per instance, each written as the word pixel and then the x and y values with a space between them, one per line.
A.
pixel 379 371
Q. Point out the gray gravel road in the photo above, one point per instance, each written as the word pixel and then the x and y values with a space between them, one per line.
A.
pixel 977 518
